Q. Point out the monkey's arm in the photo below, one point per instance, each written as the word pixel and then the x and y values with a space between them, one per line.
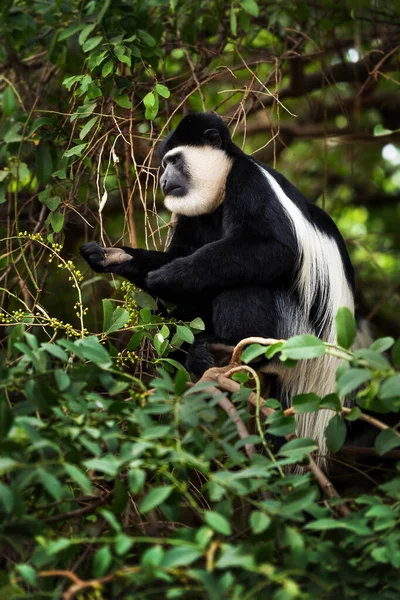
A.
pixel 132 263
pixel 226 263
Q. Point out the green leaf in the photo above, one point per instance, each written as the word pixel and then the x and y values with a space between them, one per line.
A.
pixel 3 191
pixel 270 351
pixel 241 377
pixel 358 527
pixel 79 477
pixel 335 433
pixel 235 556
pixel 251 352
pixel 107 68
pixel 40 122
pixel 180 556
pixel 89 125
pixel 13 136
pixel 55 351
pixel 144 300
pixel 122 544
pixel 303 403
pixel 7 465
pixel 107 312
pixel 272 403
pixel 70 81
pixel 119 318
pixel 251 7
pixel 299 500
pixel 6 418
pixel 69 31
pixel 56 220
pixel 351 380
pixel 197 324
pixel 390 388
pixel 381 555
pixel 331 401
pixel 155 432
pixel 92 43
pixel 155 497
pixel 146 38
pixel 92 350
pixel 28 573
pixel 9 101
pixel 124 59
pixel 86 31
pixel 152 557
pixel 298 447
pixel 51 483
pixel 145 316
pixel 303 346
pixel 151 103
pixel 149 100
pixel 386 441
pixel 346 327
pixel 158 342
pixel 61 174
pixel 396 354
pixel 280 424
pixel 185 334
pixel 6 498
pixel 259 521
pixel 62 379
pixel 375 359
pixel 136 479
pixel 122 100
pixel 217 522
pixel 101 561
pixel 107 464
pixel 105 5
pixel 163 90
pixel 233 20
pixel 75 151
pixel 111 519
pixel 382 344
pixel 52 203
pixel 354 414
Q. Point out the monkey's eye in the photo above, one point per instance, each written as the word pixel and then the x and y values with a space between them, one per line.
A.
pixel 171 160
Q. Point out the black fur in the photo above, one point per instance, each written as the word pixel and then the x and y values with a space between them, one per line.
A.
pixel 230 267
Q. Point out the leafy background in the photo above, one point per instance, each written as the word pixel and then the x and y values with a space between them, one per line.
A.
pixel 119 485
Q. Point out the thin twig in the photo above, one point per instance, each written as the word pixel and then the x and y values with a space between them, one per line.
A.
pixel 232 413
pixel 79 512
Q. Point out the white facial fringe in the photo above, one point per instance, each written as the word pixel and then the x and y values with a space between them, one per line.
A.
pixel 208 167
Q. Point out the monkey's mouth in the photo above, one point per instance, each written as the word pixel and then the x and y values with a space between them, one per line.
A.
pixel 174 190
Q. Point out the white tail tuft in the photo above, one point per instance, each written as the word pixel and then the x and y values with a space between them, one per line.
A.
pixel 321 278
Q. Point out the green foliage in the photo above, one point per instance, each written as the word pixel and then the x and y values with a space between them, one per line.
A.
pixel 112 466
pixel 90 454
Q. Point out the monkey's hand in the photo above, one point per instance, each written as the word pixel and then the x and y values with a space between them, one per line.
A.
pixel 103 260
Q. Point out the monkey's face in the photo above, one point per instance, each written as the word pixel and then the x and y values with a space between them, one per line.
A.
pixel 194 177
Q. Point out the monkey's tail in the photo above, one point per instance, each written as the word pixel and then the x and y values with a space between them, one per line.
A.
pixel 316 375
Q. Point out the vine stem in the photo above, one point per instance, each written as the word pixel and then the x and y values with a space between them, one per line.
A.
pixel 67 267
pixel 260 429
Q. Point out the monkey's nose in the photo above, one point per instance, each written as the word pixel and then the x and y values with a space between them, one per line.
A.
pixel 169 185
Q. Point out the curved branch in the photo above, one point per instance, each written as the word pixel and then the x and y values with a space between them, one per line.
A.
pixel 235 360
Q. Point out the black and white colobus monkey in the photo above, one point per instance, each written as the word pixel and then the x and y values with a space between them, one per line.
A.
pixel 249 254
